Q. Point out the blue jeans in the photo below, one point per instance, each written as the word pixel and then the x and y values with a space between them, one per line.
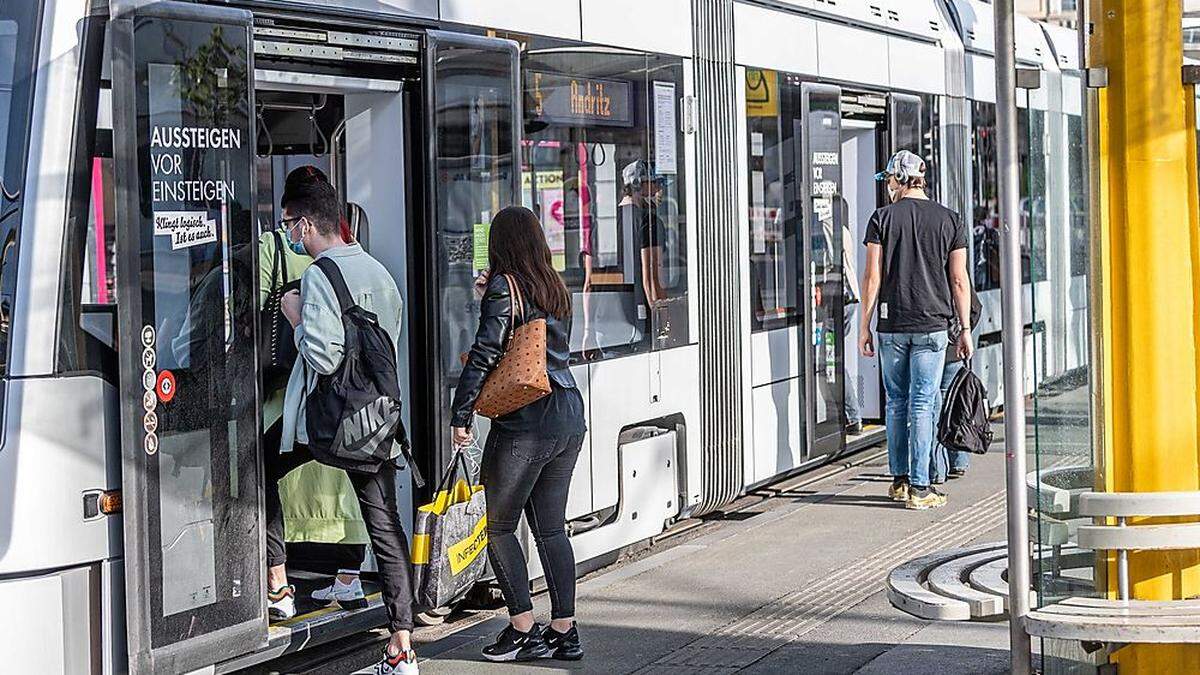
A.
pixel 944 459
pixel 912 375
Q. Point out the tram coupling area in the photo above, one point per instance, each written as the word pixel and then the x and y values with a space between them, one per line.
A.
pixel 790 579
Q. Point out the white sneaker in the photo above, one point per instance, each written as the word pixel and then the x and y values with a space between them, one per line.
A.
pixel 404 663
pixel 349 596
pixel 281 603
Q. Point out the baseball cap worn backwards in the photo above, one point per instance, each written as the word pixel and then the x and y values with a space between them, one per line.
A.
pixel 903 165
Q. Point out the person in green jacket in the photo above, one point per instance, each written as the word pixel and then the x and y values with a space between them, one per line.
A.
pixel 319 504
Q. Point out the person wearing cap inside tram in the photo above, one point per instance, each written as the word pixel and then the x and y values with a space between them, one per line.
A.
pixel 916 277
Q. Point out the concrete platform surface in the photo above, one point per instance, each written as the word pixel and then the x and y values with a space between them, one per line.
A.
pixel 796 587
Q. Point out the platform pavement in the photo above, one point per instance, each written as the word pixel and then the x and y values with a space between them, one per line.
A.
pixel 797 587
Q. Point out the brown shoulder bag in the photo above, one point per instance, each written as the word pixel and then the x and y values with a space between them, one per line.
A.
pixel 520 378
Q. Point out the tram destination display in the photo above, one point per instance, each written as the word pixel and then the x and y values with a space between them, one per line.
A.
pixel 573 100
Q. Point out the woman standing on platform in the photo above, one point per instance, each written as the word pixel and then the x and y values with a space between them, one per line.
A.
pixel 530 454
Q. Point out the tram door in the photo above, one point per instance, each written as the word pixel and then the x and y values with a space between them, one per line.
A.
pixel 475 140
pixel 820 165
pixel 184 149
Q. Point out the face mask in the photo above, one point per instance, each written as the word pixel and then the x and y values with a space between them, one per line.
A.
pixel 297 246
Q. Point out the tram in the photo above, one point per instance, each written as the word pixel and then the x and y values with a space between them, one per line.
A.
pixel 145 147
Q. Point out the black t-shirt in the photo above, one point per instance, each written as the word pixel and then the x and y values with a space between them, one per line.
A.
pixel 917 236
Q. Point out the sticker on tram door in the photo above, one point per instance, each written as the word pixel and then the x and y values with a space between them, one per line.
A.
pixel 166 386
pixel 149 358
pixel 147 335
pixel 149 400
pixel 148 380
pixel 150 423
pixel 150 444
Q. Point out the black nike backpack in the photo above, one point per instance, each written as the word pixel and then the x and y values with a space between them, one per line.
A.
pixel 353 414
pixel 963 424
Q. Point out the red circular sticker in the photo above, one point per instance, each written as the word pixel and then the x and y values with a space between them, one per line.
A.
pixel 165 386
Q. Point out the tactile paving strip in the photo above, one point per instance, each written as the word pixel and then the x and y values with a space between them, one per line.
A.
pixel 791 616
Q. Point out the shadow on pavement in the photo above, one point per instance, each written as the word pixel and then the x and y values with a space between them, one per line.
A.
pixel 616 649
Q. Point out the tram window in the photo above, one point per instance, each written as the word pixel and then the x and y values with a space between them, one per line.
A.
pixel 611 200
pixel 18 33
pixel 930 142
pixel 985 205
pixel 986 187
pixel 99 260
pixel 773 273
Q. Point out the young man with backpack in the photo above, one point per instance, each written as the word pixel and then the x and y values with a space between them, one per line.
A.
pixel 916 273
pixel 342 402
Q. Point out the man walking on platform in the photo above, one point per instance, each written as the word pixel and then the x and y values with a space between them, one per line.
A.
pixel 916 275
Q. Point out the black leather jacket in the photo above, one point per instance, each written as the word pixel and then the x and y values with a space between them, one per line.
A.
pixel 490 338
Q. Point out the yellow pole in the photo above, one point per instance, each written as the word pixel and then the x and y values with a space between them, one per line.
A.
pixel 1150 274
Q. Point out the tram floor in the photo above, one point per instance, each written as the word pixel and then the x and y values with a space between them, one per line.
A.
pixel 792 584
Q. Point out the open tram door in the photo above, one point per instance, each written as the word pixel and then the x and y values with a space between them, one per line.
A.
pixel 881 126
pixel 184 149
pixel 820 166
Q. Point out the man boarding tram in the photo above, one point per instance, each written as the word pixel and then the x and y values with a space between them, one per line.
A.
pixel 916 275
pixel 314 226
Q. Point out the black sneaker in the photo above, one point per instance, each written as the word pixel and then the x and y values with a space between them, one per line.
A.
pixel 564 646
pixel 513 645
pixel 957 473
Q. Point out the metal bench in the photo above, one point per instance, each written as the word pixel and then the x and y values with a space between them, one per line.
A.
pixel 1125 620
pixel 1057 490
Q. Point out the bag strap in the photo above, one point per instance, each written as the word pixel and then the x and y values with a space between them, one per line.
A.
pixel 458 461
pixel 281 261
pixel 334 274
pixel 517 299
pixel 275 266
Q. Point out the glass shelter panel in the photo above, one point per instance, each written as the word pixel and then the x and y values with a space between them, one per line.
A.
pixel 1055 250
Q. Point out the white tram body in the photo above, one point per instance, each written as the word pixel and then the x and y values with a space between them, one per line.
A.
pixel 765 133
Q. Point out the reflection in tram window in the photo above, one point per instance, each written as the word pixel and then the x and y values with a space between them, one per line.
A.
pixel 931 141
pixel 473 174
pixel 1031 126
pixel 1077 197
pixel 773 274
pixel 99 278
pixel 602 166
pixel 986 204
pixel 18 37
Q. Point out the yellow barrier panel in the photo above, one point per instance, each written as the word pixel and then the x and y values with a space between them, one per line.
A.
pixel 1149 271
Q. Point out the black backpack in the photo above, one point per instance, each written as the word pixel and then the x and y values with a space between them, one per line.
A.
pixel 353 414
pixel 963 425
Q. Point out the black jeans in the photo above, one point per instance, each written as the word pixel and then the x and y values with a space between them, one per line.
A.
pixel 377 501
pixel 530 473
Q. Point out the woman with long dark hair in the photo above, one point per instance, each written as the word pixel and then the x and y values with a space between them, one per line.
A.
pixel 530 454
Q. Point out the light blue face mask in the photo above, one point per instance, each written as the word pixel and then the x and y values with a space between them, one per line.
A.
pixel 297 246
